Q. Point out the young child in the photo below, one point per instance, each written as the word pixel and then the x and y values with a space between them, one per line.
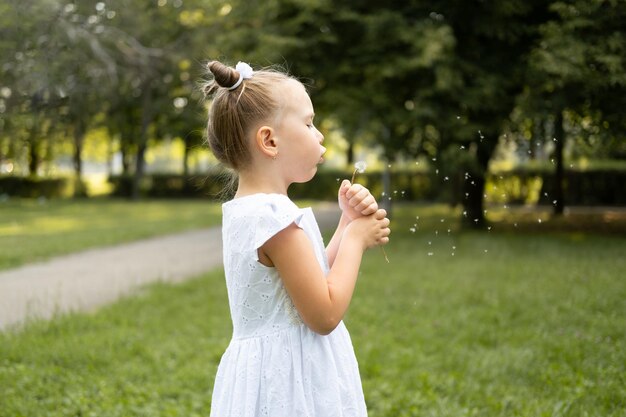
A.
pixel 290 353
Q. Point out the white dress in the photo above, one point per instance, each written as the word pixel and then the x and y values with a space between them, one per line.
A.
pixel 275 365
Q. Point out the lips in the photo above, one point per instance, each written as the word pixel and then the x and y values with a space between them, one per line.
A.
pixel 322 155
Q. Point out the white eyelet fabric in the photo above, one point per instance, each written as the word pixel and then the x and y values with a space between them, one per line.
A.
pixel 275 365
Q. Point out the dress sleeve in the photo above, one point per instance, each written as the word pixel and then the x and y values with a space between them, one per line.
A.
pixel 271 218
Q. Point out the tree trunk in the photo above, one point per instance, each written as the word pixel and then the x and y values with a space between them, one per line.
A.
pixel 473 201
pixel 146 118
pixel 186 160
pixel 79 136
pixel 559 138
pixel 350 153
pixel 474 185
pixel 386 202
pixel 34 157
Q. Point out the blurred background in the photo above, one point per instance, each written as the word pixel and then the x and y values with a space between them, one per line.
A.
pixel 496 129
pixel 469 103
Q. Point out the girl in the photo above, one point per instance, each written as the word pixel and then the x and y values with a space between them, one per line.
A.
pixel 290 353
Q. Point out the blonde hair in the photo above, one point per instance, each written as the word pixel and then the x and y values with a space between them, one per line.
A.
pixel 234 112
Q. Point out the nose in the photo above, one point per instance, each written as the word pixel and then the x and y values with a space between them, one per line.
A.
pixel 321 137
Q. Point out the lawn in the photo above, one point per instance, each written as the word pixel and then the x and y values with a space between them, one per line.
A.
pixel 32 230
pixel 518 322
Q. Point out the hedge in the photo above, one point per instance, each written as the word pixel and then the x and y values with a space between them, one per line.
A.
pixel 590 187
pixel 520 186
pixel 34 187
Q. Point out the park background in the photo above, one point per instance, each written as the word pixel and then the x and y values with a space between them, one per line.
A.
pixel 494 133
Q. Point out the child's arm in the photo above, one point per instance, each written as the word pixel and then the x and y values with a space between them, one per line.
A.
pixel 355 201
pixel 322 301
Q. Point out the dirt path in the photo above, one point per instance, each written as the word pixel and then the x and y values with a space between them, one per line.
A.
pixel 86 280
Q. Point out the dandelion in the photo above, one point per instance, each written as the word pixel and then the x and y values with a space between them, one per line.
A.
pixel 360 167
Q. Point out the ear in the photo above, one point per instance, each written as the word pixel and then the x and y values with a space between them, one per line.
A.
pixel 266 141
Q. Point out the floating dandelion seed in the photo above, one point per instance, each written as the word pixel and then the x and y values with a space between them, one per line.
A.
pixel 360 167
pixel 539 220
pixel 458 118
pixel 431 253
pixel 462 147
pixel 412 229
pixel 446 178
pixel 485 250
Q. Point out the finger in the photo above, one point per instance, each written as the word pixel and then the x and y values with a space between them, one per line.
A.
pixel 369 208
pixel 344 187
pixel 385 222
pixel 380 214
pixel 366 203
pixel 354 189
pixel 359 197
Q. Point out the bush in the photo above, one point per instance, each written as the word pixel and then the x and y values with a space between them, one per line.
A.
pixel 581 187
pixel 519 186
pixel 34 187
pixel 211 185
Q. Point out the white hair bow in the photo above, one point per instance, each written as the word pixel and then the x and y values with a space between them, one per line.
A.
pixel 245 71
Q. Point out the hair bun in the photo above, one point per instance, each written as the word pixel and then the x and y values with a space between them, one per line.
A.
pixel 223 75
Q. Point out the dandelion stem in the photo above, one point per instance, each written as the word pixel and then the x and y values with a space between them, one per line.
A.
pixel 384 254
pixel 353 175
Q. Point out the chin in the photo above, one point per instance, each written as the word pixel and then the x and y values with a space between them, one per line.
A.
pixel 307 178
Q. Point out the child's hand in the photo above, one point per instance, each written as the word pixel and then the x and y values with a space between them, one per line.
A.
pixel 356 201
pixel 372 230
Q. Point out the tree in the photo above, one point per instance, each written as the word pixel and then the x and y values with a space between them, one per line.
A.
pixel 579 63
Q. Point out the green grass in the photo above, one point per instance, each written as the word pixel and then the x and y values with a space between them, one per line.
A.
pixel 31 230
pixel 516 323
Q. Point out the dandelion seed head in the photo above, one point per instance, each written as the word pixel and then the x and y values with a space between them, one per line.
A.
pixel 360 167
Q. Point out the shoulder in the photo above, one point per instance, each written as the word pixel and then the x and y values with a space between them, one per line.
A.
pixel 260 206
pixel 257 218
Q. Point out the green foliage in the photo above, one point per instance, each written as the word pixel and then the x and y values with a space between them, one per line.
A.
pixel 514 324
pixel 35 187
pixel 211 185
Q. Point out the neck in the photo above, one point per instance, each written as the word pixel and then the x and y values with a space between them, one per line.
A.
pixel 254 183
